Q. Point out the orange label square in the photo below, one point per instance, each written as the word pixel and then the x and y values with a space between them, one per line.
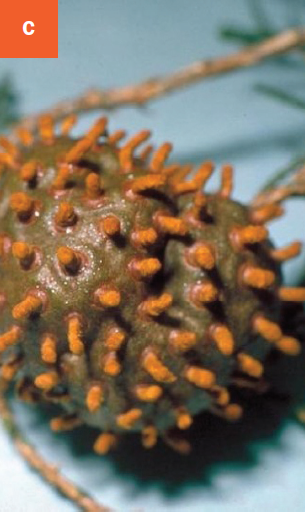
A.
pixel 29 29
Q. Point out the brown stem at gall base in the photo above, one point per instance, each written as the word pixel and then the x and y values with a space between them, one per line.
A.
pixel 45 469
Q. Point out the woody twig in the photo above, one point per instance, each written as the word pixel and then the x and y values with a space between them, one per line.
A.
pixel 140 94
pixel 281 191
pixel 48 471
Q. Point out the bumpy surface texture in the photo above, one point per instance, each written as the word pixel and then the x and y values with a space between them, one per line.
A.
pixel 128 295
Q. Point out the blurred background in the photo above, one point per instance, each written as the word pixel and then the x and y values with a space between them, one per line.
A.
pixel 252 118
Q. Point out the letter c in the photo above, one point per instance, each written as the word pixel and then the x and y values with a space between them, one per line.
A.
pixel 25 28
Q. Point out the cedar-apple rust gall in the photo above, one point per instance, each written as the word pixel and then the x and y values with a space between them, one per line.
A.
pixel 153 297
pixel 131 296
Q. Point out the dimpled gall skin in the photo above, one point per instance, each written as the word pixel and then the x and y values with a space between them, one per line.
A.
pixel 128 295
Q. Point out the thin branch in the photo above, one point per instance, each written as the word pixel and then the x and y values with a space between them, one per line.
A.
pixel 140 94
pixel 283 173
pixel 48 471
pixel 294 188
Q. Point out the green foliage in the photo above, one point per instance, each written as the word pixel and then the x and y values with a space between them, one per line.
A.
pixel 263 27
pixel 283 173
pixel 241 35
pixel 9 113
pixel 281 95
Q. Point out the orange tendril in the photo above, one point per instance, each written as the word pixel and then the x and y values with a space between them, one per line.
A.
pixel 65 423
pixel 8 146
pixel 149 436
pixel 127 151
pixel 111 225
pixel 25 136
pixel 47 381
pixel 129 418
pixel 160 156
pixel 109 297
pixel 46 128
pixel 143 268
pixel 241 236
pixel 171 225
pixel 65 215
pixel 94 398
pixel 9 369
pixel 115 339
pixel 67 124
pixel 76 344
pixel 196 183
pixel 182 340
pixel 223 339
pixel 84 144
pixel 9 338
pixel 148 392
pixel 22 204
pixel 201 255
pixel 226 186
pixel 250 365
pixel 233 412
pixel 222 396
pixel 292 294
pixel 6 159
pixel 204 293
pixel 116 136
pixel 93 186
pixel 48 349
pixel 154 366
pixel 111 365
pixel 146 152
pixel 69 259
pixel 62 177
pixel 269 330
pixel 266 213
pixel 28 171
pixel 24 253
pixel 200 377
pixel 257 277
pixel 144 237
pixel 155 307
pixel 289 345
pixel 28 306
pixel 149 182
pixel 184 419
pixel 104 443
pixel 286 253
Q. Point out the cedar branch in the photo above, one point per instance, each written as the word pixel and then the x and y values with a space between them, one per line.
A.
pixel 279 192
pixel 47 471
pixel 142 93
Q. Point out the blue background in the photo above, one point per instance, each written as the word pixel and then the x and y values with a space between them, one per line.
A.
pixel 106 43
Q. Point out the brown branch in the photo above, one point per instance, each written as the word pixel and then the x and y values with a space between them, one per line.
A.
pixel 140 94
pixel 295 187
pixel 48 471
